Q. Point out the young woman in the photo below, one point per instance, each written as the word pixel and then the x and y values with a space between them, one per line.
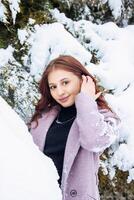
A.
pixel 72 124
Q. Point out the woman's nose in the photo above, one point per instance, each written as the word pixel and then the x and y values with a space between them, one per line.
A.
pixel 60 91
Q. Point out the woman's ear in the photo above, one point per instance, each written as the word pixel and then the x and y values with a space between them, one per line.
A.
pixel 81 80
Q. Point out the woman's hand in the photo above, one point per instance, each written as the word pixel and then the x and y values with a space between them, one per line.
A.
pixel 88 87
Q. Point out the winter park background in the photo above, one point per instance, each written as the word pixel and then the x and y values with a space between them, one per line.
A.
pixel 100 34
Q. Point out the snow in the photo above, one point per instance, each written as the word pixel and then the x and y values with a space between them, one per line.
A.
pixel 25 172
pixel 2 13
pixel 22 36
pixel 115 7
pixel 47 46
pixel 14 7
pixel 6 55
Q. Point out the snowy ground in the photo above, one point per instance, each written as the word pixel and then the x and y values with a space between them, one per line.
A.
pixel 25 173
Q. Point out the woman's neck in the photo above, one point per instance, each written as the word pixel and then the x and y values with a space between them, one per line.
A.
pixel 67 112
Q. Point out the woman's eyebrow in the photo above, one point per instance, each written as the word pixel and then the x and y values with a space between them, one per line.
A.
pixel 59 80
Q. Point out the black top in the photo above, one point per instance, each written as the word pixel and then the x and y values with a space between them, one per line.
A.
pixel 57 136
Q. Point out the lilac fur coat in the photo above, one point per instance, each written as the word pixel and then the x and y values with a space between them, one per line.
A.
pixel 92 131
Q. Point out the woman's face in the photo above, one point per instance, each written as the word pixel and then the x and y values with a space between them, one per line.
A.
pixel 64 86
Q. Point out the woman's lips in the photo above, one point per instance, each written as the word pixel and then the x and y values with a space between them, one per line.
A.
pixel 63 99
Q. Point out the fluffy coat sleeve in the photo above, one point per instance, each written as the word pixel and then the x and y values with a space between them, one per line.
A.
pixel 98 129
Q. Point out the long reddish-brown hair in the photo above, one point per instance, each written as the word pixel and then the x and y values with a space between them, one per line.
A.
pixel 69 63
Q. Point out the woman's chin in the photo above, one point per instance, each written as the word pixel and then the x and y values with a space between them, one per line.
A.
pixel 66 104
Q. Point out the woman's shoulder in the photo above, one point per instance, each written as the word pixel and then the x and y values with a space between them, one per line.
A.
pixel 44 115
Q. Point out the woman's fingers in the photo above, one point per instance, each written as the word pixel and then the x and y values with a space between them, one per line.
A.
pixel 87 79
pixel 84 78
pixel 88 86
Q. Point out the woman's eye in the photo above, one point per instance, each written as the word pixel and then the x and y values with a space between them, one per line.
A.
pixel 52 87
pixel 65 82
